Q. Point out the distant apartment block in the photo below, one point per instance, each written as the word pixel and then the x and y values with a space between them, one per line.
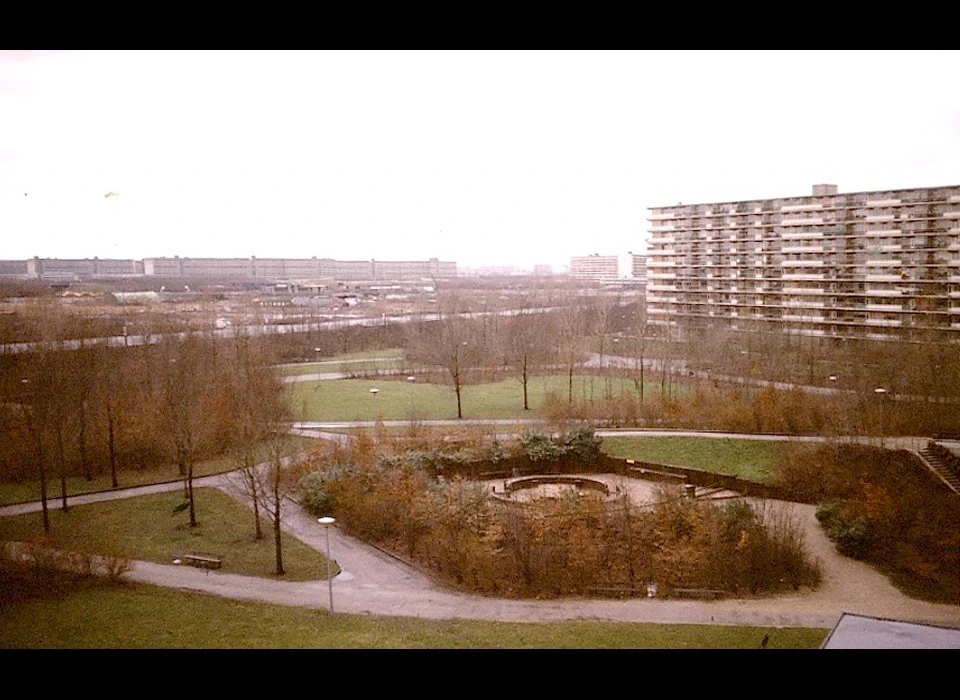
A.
pixel 638 267
pixel 67 270
pixel 882 265
pixel 491 271
pixel 596 268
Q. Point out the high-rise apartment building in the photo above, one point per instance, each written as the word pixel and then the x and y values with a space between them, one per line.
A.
pixel 878 265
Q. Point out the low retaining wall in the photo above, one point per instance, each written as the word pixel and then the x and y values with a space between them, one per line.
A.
pixel 529 482
pixel 638 469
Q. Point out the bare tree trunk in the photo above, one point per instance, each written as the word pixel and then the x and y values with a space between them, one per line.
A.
pixel 43 484
pixel 193 511
pixel 112 445
pixel 63 468
pixel 251 477
pixel 526 403
pixel 277 500
pixel 82 442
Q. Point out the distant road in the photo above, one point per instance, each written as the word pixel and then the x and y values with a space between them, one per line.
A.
pixel 331 323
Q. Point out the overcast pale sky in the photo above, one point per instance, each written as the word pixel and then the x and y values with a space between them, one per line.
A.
pixel 484 158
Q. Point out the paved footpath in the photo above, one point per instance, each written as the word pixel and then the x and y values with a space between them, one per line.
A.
pixel 374 583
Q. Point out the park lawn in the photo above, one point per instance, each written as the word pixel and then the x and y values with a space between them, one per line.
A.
pixel 344 367
pixel 398 399
pixel 25 491
pixel 95 616
pixel 753 460
pixel 146 527
pixel 392 358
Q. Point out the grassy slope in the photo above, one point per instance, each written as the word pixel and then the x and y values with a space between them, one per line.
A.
pixel 146 528
pixel 99 617
pixel 748 459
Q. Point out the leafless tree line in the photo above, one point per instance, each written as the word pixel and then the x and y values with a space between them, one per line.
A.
pixel 97 410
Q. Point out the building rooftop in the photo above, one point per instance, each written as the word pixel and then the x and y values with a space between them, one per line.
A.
pixel 863 632
pixel 798 196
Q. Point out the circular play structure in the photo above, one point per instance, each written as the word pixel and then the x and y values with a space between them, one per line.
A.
pixel 529 488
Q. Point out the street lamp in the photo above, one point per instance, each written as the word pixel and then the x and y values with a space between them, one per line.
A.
pixel 375 391
pixel 882 393
pixel 327 521
pixel 835 381
pixel 411 379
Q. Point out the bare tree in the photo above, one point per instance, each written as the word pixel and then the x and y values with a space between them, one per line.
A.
pixel 570 329
pixel 185 379
pixel 36 394
pixel 108 366
pixel 525 347
pixel 450 343
pixel 258 411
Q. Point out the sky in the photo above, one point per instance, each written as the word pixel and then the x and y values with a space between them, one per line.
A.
pixel 486 158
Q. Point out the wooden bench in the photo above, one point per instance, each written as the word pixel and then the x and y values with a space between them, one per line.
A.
pixel 204 561
pixel 617 591
pixel 698 593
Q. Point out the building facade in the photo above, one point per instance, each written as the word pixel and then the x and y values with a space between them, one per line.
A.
pixel 638 267
pixel 597 268
pixel 882 265
pixel 55 269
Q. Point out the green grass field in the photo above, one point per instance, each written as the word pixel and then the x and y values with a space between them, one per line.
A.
pixel 747 459
pixel 146 528
pixel 99 617
pixel 398 399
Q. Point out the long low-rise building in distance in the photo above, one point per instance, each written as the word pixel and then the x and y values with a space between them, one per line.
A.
pixel 253 268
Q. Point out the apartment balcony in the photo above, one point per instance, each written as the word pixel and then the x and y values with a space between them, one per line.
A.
pixel 802 277
pixel 800 207
pixel 803 319
pixel 797 235
pixel 661 235
pixel 802 290
pixel 880 277
pixel 813 249
pixel 806 221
